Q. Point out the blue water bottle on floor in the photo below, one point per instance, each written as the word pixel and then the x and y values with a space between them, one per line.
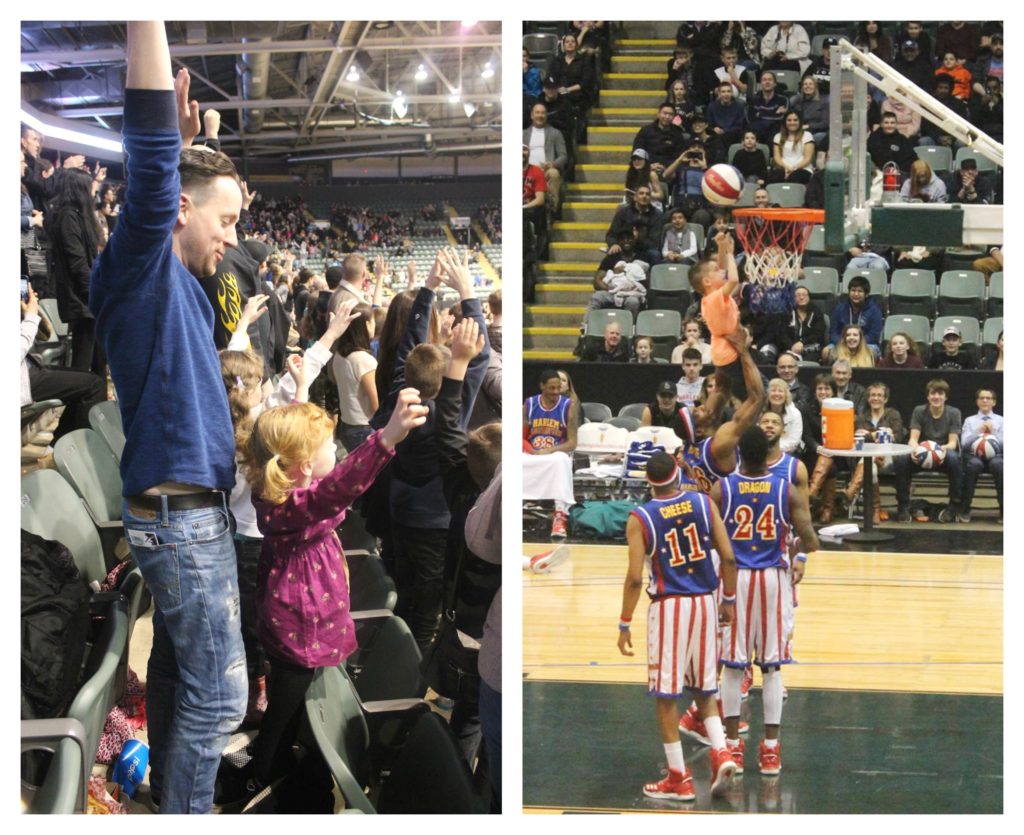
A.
pixel 130 768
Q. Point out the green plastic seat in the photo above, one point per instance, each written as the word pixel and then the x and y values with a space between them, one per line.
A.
pixel 105 418
pixel 962 292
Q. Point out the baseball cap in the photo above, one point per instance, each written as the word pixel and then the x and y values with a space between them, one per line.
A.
pixel 549 81
pixel 666 387
pixel 640 152
pixel 952 330
pixel 909 43
pixel 698 115
pixel 829 42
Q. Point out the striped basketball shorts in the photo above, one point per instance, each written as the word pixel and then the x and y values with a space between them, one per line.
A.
pixel 760 629
pixel 682 645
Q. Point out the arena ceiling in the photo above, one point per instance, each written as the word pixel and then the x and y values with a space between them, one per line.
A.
pixel 294 90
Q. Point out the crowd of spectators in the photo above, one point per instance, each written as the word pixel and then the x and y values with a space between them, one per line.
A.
pixel 489 218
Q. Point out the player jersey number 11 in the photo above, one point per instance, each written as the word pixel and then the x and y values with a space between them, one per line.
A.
pixel 693 542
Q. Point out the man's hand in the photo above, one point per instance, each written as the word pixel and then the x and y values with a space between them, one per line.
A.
pixel 248 196
pixel 188 111
pixel 726 613
pixel 726 245
pixel 799 566
pixel 410 271
pixel 36 219
pixel 740 339
pixel 211 124
pixel 447 325
pixel 73 161
pixel 99 173
pixel 408 414
pixel 614 249
pixel 626 642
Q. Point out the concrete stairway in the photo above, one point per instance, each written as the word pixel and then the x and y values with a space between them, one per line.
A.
pixel 628 101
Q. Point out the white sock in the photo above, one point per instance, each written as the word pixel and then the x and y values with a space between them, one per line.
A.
pixel 771 692
pixel 730 690
pixel 561 507
pixel 715 732
pixel 674 755
pixel 771 743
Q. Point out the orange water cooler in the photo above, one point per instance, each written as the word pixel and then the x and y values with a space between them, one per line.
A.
pixel 837 423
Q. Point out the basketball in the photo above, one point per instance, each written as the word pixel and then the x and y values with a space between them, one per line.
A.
pixel 930 455
pixel 722 184
pixel 986 447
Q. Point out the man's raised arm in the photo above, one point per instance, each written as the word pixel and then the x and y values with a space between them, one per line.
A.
pixel 149 60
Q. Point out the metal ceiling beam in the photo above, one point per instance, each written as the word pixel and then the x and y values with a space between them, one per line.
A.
pixel 73 58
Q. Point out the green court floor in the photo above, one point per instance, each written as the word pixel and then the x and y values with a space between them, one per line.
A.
pixel 591 747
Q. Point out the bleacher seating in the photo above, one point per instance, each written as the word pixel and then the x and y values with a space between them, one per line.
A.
pixel 663 326
pixel 669 287
pixel 915 326
pixel 912 291
pixel 822 283
pixel 962 292
pixel 995 295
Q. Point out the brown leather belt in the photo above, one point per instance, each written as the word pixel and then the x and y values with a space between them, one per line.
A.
pixel 184 501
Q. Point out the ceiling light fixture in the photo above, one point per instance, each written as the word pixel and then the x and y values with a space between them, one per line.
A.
pixel 68 135
pixel 488 71
pixel 353 74
pixel 456 96
pixel 421 73
pixel 399 105
pixel 469 110
pixel 469 24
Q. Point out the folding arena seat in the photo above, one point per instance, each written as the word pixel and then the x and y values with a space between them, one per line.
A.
pixel 669 287
pixel 663 326
pixel 88 465
pixel 596 412
pixel 970 333
pixel 787 195
pixel 822 283
pixel 633 410
pixel 990 332
pixel 912 291
pixel 630 424
pixel 746 198
pixel 698 232
pixel 962 292
pixel 939 157
pixel 597 320
pixel 984 163
pixel 789 80
pixel 736 146
pixel 995 294
pixel 878 280
pixel 916 327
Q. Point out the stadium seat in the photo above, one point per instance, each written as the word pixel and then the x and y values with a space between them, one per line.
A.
pixel 877 279
pixel 370 587
pixel 669 287
pixel 75 738
pixel 49 307
pixel 990 332
pixel 912 291
pixel 916 327
pixel 105 419
pixel 939 157
pixel 633 410
pixel 597 412
pixel 746 198
pixel 962 292
pixel 984 163
pixel 88 465
pixel 629 423
pixel 540 45
pixel 816 240
pixel 995 294
pixel 597 320
pixel 787 195
pixel 822 283
pixel 736 146
pixel 386 664
pixel 698 232
pixel 789 80
pixel 970 332
pixel 430 773
pixel 663 326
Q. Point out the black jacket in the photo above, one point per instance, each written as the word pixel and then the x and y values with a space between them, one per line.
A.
pixel 73 248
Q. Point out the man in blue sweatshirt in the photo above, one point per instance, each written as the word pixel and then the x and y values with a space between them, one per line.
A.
pixel 156 326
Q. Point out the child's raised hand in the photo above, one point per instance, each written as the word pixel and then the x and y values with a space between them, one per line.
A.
pixel 467 340
pixel 408 413
pixel 297 369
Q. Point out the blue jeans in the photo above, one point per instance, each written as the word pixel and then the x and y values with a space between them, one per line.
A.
pixel 353 436
pixel 196 684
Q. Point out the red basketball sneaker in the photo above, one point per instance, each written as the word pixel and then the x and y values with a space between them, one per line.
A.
pixel 692 725
pixel 737 751
pixel 675 786
pixel 770 760
pixel 723 769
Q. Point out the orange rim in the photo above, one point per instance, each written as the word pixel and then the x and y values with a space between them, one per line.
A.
pixel 805 215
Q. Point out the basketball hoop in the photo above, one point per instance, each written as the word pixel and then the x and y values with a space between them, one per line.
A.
pixel 774 241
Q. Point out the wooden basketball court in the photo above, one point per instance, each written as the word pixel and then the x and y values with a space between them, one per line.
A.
pixel 894 650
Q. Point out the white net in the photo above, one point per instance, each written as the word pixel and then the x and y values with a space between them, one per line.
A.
pixel 773 266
